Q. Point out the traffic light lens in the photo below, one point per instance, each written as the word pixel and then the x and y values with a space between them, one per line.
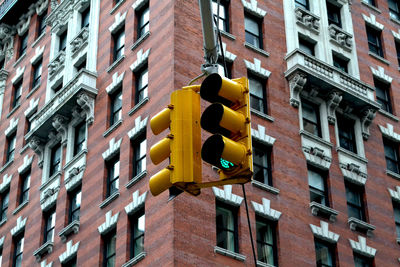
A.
pixel 211 118
pixel 226 164
pixel 210 89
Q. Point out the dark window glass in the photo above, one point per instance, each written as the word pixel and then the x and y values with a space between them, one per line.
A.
pixel 340 63
pixel 262 164
pixel 137 233
pixel 119 44
pixel 383 95
pixel 361 261
pixel 355 201
pixel 55 160
pixel 25 184
pixel 17 94
pixel 374 41
pixel 347 139
pixel 81 65
pixel 325 254
pixel 112 176
pixel 253 33
pixel 23 44
pixel 80 137
pixel 62 41
pixel 266 241
pixel 396 211
pixel 116 107
pixel 2 62
pixel 49 225
pixel 18 250
pixel 117 1
pixel 75 205
pixel 392 155
pixel 258 100
pixel 37 73
pixel 142 79
pixel 318 187
pixel 221 70
pixel 307 46
pixel 333 14
pixel 1 255
pixel 85 16
pixel 227 228
pixel 70 263
pixel 139 150
pixel 58 88
pixel 221 17
pixel 4 204
pixel 143 21
pixel 109 249
pixel 302 3
pixel 311 119
pixel 394 9
pixel 11 146
pixel 397 52
pixel 28 125
pixel 41 28
pixel 371 2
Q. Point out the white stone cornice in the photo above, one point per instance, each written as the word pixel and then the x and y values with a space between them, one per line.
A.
pixel 109 224
pixel 395 194
pixel 112 150
pixel 371 20
pixel 45 264
pixel 396 35
pixel 141 59
pixel 38 54
pixel 227 55
pixel 380 73
pixel 18 75
pixel 49 198
pixel 323 233
pixel 116 82
pixel 70 253
pixel 23 24
pixel 252 8
pixel 41 6
pixel 265 210
pixel 140 126
pixel 260 136
pixel 139 4
pixel 33 106
pixel 19 227
pixel 12 127
pixel 6 183
pixel 137 203
pixel 26 165
pixel 119 20
pixel 256 68
pixel 388 132
pixel 226 196
pixel 361 247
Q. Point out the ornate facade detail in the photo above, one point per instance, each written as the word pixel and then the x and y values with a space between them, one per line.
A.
pixel 12 127
pixel 26 165
pixel 116 82
pixel 380 73
pixel 371 20
pixel 323 233
pixel 353 173
pixel 140 126
pixel 7 41
pixel 60 124
pixel 361 247
pixel 57 64
pixel 140 60
pixel 109 224
pixel 119 20
pixel 41 6
pixel 53 4
pixel 138 4
pixel 306 19
pixel 49 198
pixel 18 75
pixel 74 178
pixel 44 249
pixel 395 195
pixel 316 156
pixel 80 41
pixel 229 57
pixel 318 209
pixel 260 136
pixel 389 132
pixel 60 14
pixel 19 227
pixel 226 195
pixel 296 83
pixel 340 37
pixel 33 106
pixel 137 202
pixel 38 147
pixel 38 54
pixel 86 102
pixel 70 253
pixel 112 150
pixel 6 183
pixel 332 103
pixel 252 8
pixel 256 68
pixel 396 35
pixel 24 21
pixel 366 120
pixel 265 210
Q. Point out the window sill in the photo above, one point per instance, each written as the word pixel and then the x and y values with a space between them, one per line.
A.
pixel 138 106
pixel 262 115
pixel 228 35
pixel 115 64
pixel 22 150
pixel 72 228
pixel 3 221
pixel 393 174
pixel 75 158
pixel 389 115
pixel 371 7
pixel 13 110
pixel 134 260
pixel 265 187
pixel 38 39
pixel 50 180
pixel 108 200
pixel 263 264
pixel 381 59
pixel 256 49
pixel 20 207
pixel 116 7
pixel 395 21
pixel 315 138
pixel 6 165
pixel 140 40
pixel 318 209
pixel 46 248
pixel 358 225
pixel 136 179
pixel 34 89
pixel 112 128
pixel 19 60
pixel 351 154
pixel 229 253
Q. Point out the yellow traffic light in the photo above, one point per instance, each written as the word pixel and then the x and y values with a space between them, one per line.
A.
pixel 228 119
pixel 182 145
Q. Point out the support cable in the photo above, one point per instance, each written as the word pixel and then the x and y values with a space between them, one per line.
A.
pixel 248 221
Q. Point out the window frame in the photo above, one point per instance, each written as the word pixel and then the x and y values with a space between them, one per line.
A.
pixel 224 20
pixel 340 63
pixel 346 133
pixel 141 93
pixel 307 46
pixel 4 204
pixel 108 239
pixel 263 102
pixel 312 189
pixel 394 14
pixel 397 45
pixel 17 93
pixel 37 73
pixel 306 6
pixel 23 44
pixel 79 141
pixel 374 38
pixel 134 222
pixel 388 144
pixel 136 146
pixel 260 243
pixel 19 239
pixel 268 154
pixel 72 199
pixel 62 40
pixel 11 144
pixel 49 218
pixel 384 89
pixel 361 207
pixel 316 109
pixel 115 111
pixel 41 24
pixel 221 229
pixel 141 24
pixel 365 260
pixel 333 9
pixel 330 248
pixel 259 23
pixel 111 178
pixel 55 165
pixel 396 215
pixel 85 17
pixel 24 187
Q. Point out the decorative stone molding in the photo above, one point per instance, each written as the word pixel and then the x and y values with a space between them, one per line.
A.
pixel 226 196
pixel 12 127
pixel 49 198
pixel 70 253
pixel 44 249
pixel 6 183
pixel 323 233
pixel 141 59
pixel 353 173
pixel 137 203
pixel 7 40
pixel 265 210
pixel 361 247
pixel 318 209
pixel 74 178
pixel 119 20
pixel 332 103
pixel 260 136
pixel 109 224
pixel 316 156
pixel 340 37
pixel 229 57
pixel 368 116
pixel 116 83
pixel 19 227
pixel 229 253
pixel 79 41
pixel 389 133
pixel 60 14
pixel 380 74
pixel 252 8
pixel 26 165
pixel 60 123
pixel 38 54
pixel 38 147
pixel 57 64
pixel 44 264
pixel 359 225
pixel 18 75
pixel 33 106
pixel 112 150
pixel 24 22
pixel 41 6
pixel 139 4
pixel 395 195
pixel 72 228
pixel 86 102
pixel 296 84
pixel 396 35
pixel 256 68
pixel 307 19
pixel 134 260
pixel 140 126
pixel 371 20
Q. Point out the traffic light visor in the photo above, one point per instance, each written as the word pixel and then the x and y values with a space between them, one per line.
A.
pixel 215 88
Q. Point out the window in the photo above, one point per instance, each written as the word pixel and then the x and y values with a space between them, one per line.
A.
pixel 221 69
pixel 80 137
pixel 117 1
pixel 49 224
pixel 85 16
pixel 55 160
pixel 25 183
pixel 80 65
pixel 70 263
pixel 37 73
pixel 374 41
pixel 139 150
pixel 253 33
pixel 391 155
pixel 17 94
pixel 227 227
pixel 18 250
pixel 325 254
pixel 143 16
pixel 112 176
pixel 258 100
pixel 361 261
pixel 4 204
pixel 41 25
pixel 347 139
pixel 394 9
pixel 116 107
pixel 23 44
pixel 11 147
pixel 74 205
pixel 222 16
pixel 142 79
pixel 58 88
pixel 307 46
pixel 109 241
pixel 262 164
pixel 2 63
pixel 302 3
pixel 383 95
pixel 266 241
pixel 333 14
pixel 318 187
pixel 370 2
pixel 396 211
pixel 340 63
pixel 137 233
pixel 311 119
pixel 62 41
pixel 119 44
pixel 355 201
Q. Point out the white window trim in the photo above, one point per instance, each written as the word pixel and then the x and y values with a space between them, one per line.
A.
pixel 371 20
pixel 138 128
pixel 119 20
pixel 109 224
pixel 253 9
pixel 395 194
pixel 389 133
pixel 12 128
pixel 113 149
pixel 361 247
pixel 137 202
pixel 141 59
pixel 19 227
pixel 265 210
pixel 26 165
pixel 116 82
pixel 323 233
pixel 70 253
pixel 256 68
pixel 226 196
pixel 6 183
pixel 38 54
pixel 18 75
pixel 229 57
pixel 260 136
pixel 380 74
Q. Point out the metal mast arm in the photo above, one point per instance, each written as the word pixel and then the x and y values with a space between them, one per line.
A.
pixel 209 38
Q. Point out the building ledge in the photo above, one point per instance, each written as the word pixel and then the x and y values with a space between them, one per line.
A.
pixel 371 7
pixel 136 179
pixel 256 49
pixel 115 64
pixel 38 39
pixel 135 259
pixel 2 222
pixel 228 35
pixel 112 128
pixel 33 90
pixel 393 174
pixel 381 59
pixel 72 228
pixel 20 207
pixel 389 115
pixel 351 154
pixel 262 115
pixel 46 248
pixel 263 264
pixel 361 226
pixel 13 110
pixel 5 166
pixel 19 60
pixel 265 187
pixel 318 209
pixel 138 106
pixel 395 21
pixel 229 253
pixel 140 40
pixel 108 200
pixel 116 7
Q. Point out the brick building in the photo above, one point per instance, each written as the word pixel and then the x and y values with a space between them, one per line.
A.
pixel 79 80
